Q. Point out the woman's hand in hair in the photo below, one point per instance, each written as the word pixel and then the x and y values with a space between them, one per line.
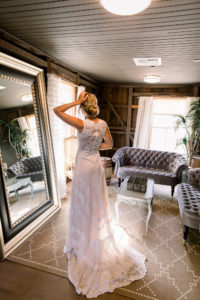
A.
pixel 82 97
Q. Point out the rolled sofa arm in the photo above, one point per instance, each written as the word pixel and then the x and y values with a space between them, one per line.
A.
pixel 178 165
pixel 119 159
pixel 180 171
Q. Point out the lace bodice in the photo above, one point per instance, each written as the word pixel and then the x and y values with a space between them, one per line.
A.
pixel 92 135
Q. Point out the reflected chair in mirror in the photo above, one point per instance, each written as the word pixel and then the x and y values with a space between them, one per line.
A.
pixel 29 167
pixel 70 150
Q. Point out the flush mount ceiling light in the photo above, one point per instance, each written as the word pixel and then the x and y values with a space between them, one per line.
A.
pixel 26 98
pixel 2 87
pixel 152 78
pixel 125 7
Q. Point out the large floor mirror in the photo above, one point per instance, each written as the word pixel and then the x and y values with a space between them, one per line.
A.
pixel 28 194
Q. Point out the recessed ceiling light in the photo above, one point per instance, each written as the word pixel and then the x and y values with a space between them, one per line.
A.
pixel 125 7
pixel 2 87
pixel 196 60
pixel 148 61
pixel 27 97
pixel 152 78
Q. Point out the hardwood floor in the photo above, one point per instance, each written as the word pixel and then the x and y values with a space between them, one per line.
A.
pixel 19 282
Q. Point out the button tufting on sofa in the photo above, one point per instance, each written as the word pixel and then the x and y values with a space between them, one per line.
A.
pixel 164 167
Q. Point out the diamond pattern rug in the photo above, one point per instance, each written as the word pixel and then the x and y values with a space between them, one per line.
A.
pixel 173 267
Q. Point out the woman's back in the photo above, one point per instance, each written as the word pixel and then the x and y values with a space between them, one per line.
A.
pixel 91 135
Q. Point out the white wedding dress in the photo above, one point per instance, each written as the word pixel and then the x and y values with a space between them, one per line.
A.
pixel 99 254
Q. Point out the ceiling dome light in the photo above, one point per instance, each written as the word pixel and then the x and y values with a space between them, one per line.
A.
pixel 152 78
pixel 125 7
pixel 27 98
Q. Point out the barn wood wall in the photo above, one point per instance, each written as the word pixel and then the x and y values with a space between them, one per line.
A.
pixel 119 105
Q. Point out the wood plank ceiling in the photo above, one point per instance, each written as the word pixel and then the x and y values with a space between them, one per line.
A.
pixel 82 34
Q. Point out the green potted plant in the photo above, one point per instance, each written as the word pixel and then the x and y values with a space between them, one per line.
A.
pixel 191 123
pixel 17 138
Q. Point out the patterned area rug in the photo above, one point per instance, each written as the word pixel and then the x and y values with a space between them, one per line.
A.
pixel 173 266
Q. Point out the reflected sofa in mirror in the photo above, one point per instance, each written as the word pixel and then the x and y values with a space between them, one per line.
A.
pixel 28 181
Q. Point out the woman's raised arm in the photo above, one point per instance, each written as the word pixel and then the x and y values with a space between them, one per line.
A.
pixel 73 121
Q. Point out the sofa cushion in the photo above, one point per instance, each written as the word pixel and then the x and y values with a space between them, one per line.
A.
pixel 160 176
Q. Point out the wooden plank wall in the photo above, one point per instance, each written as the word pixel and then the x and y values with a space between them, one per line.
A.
pixel 119 104
pixel 15 112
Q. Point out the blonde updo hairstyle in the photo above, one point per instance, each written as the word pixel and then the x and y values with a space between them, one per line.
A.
pixel 90 106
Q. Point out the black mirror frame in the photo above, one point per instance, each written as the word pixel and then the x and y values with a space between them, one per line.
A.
pixel 8 231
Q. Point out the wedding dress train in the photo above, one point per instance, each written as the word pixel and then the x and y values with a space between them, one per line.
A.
pixel 99 254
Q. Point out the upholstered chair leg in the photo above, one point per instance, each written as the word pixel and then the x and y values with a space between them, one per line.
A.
pixel 172 191
pixel 119 181
pixel 185 232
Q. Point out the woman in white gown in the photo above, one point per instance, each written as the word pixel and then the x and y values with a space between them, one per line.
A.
pixel 100 257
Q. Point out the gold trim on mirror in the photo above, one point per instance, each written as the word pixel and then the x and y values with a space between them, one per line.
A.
pixel 15 79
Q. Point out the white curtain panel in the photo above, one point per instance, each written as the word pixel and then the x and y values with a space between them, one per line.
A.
pixel 30 142
pixel 143 123
pixel 79 114
pixel 189 100
pixel 54 99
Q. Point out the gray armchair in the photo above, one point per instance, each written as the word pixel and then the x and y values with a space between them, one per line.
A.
pixel 164 167
pixel 189 201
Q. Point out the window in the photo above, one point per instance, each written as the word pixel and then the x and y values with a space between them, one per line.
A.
pixel 67 95
pixel 163 135
pixel 34 144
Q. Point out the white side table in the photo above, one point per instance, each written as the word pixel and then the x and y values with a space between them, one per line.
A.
pixel 133 197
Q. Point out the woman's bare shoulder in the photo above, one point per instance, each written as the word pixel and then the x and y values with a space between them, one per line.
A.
pixel 103 121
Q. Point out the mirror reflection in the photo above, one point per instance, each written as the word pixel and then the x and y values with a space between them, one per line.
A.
pixel 20 151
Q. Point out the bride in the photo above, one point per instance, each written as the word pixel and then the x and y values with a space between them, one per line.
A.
pixel 100 257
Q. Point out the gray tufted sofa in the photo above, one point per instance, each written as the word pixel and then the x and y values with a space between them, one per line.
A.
pixel 189 201
pixel 164 167
pixel 29 167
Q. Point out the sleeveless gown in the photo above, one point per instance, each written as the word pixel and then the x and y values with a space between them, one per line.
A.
pixel 100 257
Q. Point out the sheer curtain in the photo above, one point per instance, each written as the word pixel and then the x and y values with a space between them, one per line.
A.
pixel 32 143
pixel 68 94
pixel 54 99
pixel 189 100
pixel 143 123
pixel 79 114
